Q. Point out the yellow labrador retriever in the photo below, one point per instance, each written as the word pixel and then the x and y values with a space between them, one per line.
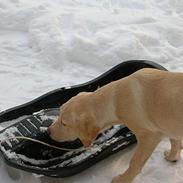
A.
pixel 149 102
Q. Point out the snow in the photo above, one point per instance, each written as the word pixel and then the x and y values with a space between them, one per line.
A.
pixel 11 122
pixel 50 44
pixel 43 129
pixel 6 135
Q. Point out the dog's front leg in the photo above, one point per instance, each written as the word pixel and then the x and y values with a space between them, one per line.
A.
pixel 146 145
pixel 173 154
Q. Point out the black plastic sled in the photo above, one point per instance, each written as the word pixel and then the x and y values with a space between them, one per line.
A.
pixel 25 120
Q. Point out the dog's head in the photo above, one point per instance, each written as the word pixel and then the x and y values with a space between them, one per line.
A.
pixel 75 120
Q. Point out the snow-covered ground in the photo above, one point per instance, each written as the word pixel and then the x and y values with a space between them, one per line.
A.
pixel 48 44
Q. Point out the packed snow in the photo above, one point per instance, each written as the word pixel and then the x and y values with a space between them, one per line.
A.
pixel 50 44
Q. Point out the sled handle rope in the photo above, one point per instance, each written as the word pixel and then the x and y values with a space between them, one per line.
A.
pixel 43 143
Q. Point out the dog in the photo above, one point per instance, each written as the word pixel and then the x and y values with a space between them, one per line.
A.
pixel 149 102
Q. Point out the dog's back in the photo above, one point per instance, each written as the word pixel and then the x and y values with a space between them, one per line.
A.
pixel 162 99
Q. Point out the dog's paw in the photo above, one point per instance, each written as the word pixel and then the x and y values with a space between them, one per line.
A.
pixel 121 179
pixel 172 157
pixel 116 179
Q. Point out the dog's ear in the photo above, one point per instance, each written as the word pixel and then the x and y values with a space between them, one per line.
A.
pixel 60 116
pixel 88 138
pixel 88 130
pixel 61 108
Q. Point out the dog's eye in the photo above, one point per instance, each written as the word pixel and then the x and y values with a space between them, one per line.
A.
pixel 62 123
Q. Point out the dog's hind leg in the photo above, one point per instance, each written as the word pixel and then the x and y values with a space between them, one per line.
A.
pixel 147 142
pixel 173 154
